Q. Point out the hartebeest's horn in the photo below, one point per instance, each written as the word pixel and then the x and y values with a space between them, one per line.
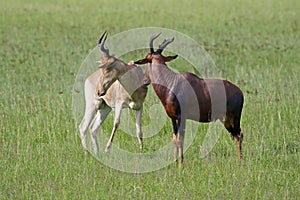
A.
pixel 164 44
pixel 105 51
pixel 100 39
pixel 153 37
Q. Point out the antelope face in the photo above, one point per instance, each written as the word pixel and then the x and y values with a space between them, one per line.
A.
pixel 108 77
pixel 104 84
pixel 155 58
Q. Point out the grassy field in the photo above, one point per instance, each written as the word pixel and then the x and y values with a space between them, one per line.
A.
pixel 43 43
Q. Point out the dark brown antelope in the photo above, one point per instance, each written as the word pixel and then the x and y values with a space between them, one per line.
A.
pixel 100 103
pixel 186 96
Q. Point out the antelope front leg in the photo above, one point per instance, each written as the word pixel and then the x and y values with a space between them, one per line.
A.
pixel 180 141
pixel 138 124
pixel 118 110
pixel 175 147
pixel 175 133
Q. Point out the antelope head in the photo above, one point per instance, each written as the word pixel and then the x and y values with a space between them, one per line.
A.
pixel 112 68
pixel 155 57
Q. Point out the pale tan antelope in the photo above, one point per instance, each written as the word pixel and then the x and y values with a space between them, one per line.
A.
pixel 127 91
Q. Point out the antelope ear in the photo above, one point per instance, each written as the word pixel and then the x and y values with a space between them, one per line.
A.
pixel 102 66
pixel 106 66
pixel 106 63
pixel 170 58
pixel 142 61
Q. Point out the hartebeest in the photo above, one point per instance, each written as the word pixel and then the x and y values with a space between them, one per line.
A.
pixel 186 96
pixel 121 94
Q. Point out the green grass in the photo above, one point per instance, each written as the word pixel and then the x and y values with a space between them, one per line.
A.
pixel 254 43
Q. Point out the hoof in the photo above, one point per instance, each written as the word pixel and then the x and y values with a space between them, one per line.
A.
pixel 85 151
pixel 180 165
pixel 107 149
pixel 95 152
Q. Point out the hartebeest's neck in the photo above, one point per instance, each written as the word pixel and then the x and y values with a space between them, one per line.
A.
pixel 160 74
